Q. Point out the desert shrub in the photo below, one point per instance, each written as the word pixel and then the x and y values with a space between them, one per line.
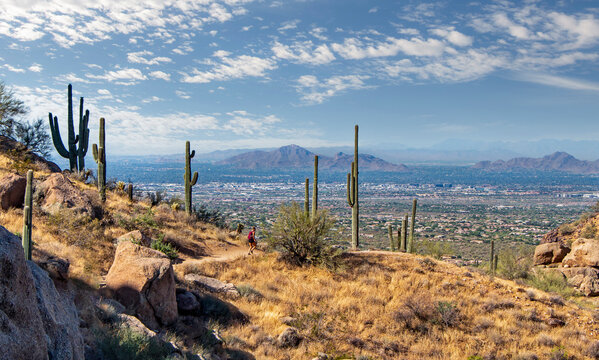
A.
pixel 545 340
pixel 210 216
pixel 156 197
pixel 121 343
pixel 301 239
pixel 448 314
pixel 566 229
pixel 494 304
pixel 558 353
pixel 588 231
pixel 593 350
pixel 164 247
pixel 551 281
pixel 475 357
pixel 515 263
pixel 435 249
pixel 248 292
pixel 145 221
pixel 527 356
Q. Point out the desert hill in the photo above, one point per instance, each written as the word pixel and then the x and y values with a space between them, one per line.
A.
pixel 558 161
pixel 218 303
pixel 296 157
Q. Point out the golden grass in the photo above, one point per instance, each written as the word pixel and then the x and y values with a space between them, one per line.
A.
pixel 362 310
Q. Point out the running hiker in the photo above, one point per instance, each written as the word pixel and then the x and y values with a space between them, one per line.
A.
pixel 252 240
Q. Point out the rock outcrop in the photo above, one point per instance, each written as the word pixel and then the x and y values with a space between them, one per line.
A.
pixel 585 279
pixel 20 321
pixel 12 191
pixel 212 285
pixel 59 317
pixel 585 252
pixel 17 151
pixel 136 237
pixel 550 253
pixel 57 192
pixel 143 280
pixel 36 320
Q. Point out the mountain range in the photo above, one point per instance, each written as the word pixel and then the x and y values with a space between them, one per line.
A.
pixel 558 161
pixel 296 157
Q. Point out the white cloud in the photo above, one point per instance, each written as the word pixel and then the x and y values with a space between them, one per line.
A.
pixel 354 48
pixel 373 10
pixel 14 69
pixel 314 91
pixel 231 68
pixel 182 94
pixel 304 53
pixel 318 32
pixel 244 123
pixel 140 58
pixel 560 81
pixel 35 68
pixel 151 99
pixel 453 36
pixel 289 25
pixel 125 76
pixel 104 92
pixel 160 75
pixel 183 49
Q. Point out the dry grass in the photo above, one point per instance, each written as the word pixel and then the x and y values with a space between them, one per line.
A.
pixel 387 307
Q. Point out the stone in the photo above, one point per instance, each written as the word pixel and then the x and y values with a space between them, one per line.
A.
pixel 59 317
pixel 290 337
pixel 12 191
pixel 57 268
pixel 212 285
pixel 37 162
pixel 584 279
pixel 142 279
pixel 550 253
pixel 585 252
pixel 21 326
pixel 288 320
pixel 551 237
pixel 187 303
pixel 136 237
pixel 57 192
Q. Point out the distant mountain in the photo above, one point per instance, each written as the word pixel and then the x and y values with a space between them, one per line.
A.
pixel 296 157
pixel 558 161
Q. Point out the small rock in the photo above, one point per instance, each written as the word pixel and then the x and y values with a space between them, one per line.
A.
pixel 212 285
pixel 12 191
pixel 187 303
pixel 288 320
pixel 290 337
pixel 57 268
pixel 554 322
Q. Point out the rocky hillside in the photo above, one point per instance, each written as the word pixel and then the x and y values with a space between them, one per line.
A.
pixel 559 161
pixel 150 282
pixel 296 157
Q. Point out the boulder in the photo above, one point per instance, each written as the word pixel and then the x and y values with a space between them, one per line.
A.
pixel 20 152
pixel 57 192
pixel 59 317
pixel 12 191
pixel 584 279
pixel 187 303
pixel 136 237
pixel 212 285
pixel 57 268
pixel 21 326
pixel 142 279
pixel 550 253
pixel 290 337
pixel 551 237
pixel 585 252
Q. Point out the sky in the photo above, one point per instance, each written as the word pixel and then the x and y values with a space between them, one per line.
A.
pixel 265 73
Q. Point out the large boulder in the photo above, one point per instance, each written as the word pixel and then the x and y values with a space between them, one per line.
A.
pixel 21 329
pixel 57 192
pixel 585 252
pixel 143 280
pixel 550 253
pixel 59 317
pixel 16 151
pixel 552 236
pixel 12 191
pixel 584 279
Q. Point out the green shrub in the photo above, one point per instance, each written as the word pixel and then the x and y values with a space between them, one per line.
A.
pixel 515 263
pixel 125 344
pixel 566 229
pixel 247 291
pixel 435 249
pixel 588 231
pixel 448 314
pixel 551 281
pixel 164 247
pixel 210 216
pixel 301 239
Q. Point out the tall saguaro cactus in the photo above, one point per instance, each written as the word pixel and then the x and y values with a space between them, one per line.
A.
pixel 391 238
pixel 27 217
pixel 492 258
pixel 100 158
pixel 307 199
pixel 412 225
pixel 404 234
pixel 74 152
pixel 189 181
pixel 315 189
pixel 352 195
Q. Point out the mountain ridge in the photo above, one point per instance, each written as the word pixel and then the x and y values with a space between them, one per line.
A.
pixel 558 161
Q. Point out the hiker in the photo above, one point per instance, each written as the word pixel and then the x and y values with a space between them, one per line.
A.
pixel 252 240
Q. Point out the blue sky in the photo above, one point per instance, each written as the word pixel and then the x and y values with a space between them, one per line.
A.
pixel 246 74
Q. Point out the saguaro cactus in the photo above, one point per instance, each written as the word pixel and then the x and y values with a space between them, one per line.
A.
pixel 100 158
pixel 352 195
pixel 391 238
pixel 412 225
pixel 492 258
pixel 27 217
pixel 189 181
pixel 307 199
pixel 74 152
pixel 315 189
pixel 130 192
pixel 404 233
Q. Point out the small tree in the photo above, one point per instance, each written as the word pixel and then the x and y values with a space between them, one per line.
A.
pixel 304 239
pixel 34 136
pixel 10 109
